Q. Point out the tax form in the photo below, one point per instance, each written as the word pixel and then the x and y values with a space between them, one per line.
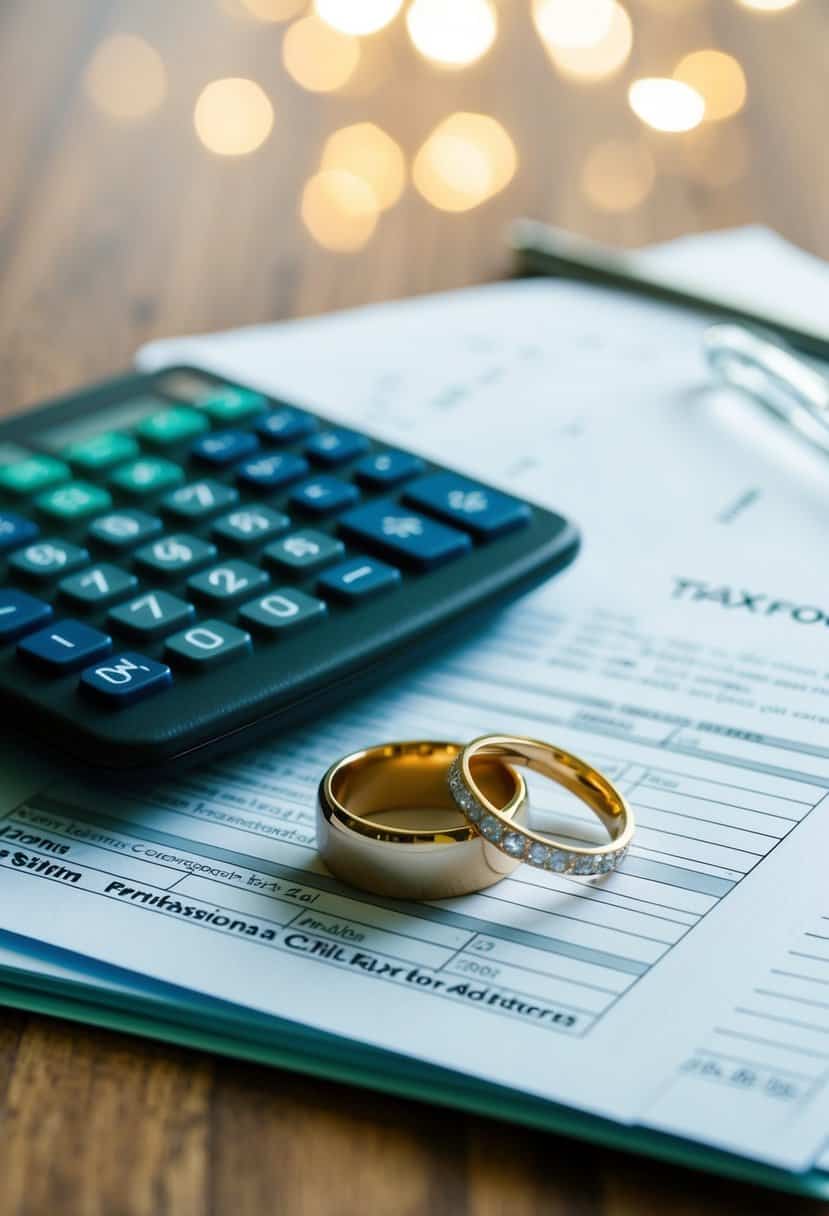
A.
pixel 686 654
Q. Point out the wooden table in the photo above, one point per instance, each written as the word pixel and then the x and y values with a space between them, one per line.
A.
pixel 112 233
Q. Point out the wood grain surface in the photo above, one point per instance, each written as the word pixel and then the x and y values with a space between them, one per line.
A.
pixel 112 233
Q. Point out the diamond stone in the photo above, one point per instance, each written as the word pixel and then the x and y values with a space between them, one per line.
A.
pixel 491 828
pixel 584 865
pixel 557 861
pixel 474 813
pixel 514 844
pixel 538 854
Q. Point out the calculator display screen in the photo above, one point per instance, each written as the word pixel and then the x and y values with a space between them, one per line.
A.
pixel 119 417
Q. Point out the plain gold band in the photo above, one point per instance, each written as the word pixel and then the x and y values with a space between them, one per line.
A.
pixel 387 823
pixel 519 841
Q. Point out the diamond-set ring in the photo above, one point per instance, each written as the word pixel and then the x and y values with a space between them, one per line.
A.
pixel 523 844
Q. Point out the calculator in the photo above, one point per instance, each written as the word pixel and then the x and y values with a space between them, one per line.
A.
pixel 188 565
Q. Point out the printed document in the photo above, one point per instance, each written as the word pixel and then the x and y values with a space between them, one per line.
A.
pixel 686 653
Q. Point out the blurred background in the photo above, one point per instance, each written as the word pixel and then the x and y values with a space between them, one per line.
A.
pixel 179 165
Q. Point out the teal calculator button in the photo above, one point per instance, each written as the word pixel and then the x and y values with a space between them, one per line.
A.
pixel 147 475
pixel 32 474
pixel 232 404
pixel 172 425
pixel 75 500
pixel 101 451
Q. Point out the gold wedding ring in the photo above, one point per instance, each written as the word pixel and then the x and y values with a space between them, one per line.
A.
pixel 518 841
pixel 386 821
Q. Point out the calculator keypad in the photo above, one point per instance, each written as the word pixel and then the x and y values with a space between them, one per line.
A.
pixel 214 526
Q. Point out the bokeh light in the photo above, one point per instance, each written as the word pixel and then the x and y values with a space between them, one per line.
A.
pixel 339 209
pixel 572 24
pixel 233 116
pixel 718 77
pixel 273 10
pixel 125 78
pixel 601 58
pixel 617 175
pixel 318 57
pixel 666 105
pixel 367 152
pixel 767 6
pixel 452 33
pixel 465 160
pixel 358 16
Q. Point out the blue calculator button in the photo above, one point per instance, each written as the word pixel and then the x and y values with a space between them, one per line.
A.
pixel 15 531
pixel 285 424
pixel 125 677
pixel 20 613
pixel 65 646
pixel 482 511
pixel 322 495
pixel 384 469
pixel 224 447
pixel 358 579
pixel 336 446
pixel 404 534
pixel 271 472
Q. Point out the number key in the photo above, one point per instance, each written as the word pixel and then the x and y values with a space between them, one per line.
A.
pixel 228 583
pixel 199 499
pixel 305 551
pixel 172 425
pixel 151 614
pixel 282 610
pixel 73 501
pixel 207 644
pixel 146 475
pixel 122 529
pixel 47 558
pixel 249 526
pixel 98 586
pixel 172 556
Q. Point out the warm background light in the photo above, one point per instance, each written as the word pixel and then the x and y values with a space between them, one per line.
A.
pixel 366 151
pixel 464 161
pixel 452 33
pixel 599 59
pixel 233 116
pixel 617 175
pixel 358 16
pixel 767 6
pixel 666 105
pixel 319 57
pixel 274 10
pixel 718 78
pixel 573 24
pixel 125 78
pixel 339 209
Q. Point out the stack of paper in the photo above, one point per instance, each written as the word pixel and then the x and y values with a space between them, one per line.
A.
pixel 677 1007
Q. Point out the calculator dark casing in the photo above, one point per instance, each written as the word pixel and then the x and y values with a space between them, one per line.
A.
pixel 282 683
